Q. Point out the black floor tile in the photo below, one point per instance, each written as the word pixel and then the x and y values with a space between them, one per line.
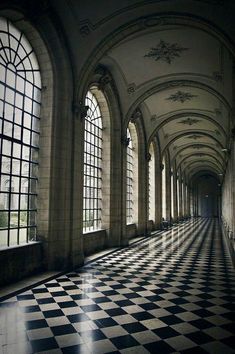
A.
pixel 124 342
pixel 200 337
pixel 166 332
pixel 106 322
pixel 53 313
pixel 63 329
pixel 80 317
pixel 35 324
pixel 159 347
pixel 116 312
pixel 201 324
pixel 134 327
pixel 44 344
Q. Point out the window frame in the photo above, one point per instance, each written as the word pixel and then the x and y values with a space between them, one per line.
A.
pixel 92 185
pixel 21 97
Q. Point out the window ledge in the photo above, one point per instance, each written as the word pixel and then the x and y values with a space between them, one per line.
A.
pixel 87 233
pixel 9 248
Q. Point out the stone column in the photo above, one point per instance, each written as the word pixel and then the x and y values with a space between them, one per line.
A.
pixel 180 211
pixel 76 238
pixel 175 206
pixel 142 175
pixel 112 212
pixel 168 192
pixel 185 199
pixel 158 189
pixel 188 200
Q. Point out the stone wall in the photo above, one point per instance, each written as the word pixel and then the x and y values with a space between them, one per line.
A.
pixel 19 262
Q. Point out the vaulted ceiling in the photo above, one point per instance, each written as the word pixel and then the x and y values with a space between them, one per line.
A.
pixel 173 60
pixel 180 77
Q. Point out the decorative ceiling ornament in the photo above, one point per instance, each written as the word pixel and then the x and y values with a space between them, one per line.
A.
pixel 85 30
pixel 181 96
pixel 153 117
pixel 217 76
pixel 166 136
pixel 131 89
pixel 195 136
pixel 198 146
pixel 217 132
pixel 136 115
pixel 155 21
pixel 165 51
pixel 176 83
pixel 217 112
pixel 175 147
pixel 189 121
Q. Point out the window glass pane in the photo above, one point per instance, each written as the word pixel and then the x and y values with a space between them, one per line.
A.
pixel 20 84
pixel 17 132
pixel 8 112
pixel 3 238
pixel 6 147
pixel 16 150
pixel 13 237
pixel 18 116
pixel 8 129
pixel 23 235
pixel 10 95
pixel 3 219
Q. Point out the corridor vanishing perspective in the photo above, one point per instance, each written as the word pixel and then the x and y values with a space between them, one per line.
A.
pixel 169 293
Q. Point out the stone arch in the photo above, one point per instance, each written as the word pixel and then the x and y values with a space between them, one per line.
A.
pixel 103 87
pixel 54 209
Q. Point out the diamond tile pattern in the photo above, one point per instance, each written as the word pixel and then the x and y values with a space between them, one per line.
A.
pixel 172 292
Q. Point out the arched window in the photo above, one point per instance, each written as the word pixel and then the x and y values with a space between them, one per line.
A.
pixel 172 195
pixel 92 191
pixel 186 200
pixel 151 183
pixel 178 195
pixel 129 180
pixel 20 98
pixel 183 197
pixel 132 175
pixel 164 188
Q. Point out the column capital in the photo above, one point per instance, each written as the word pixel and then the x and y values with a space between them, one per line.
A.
pixel 136 115
pixel 125 141
pixel 148 157
pixel 103 77
pixel 79 109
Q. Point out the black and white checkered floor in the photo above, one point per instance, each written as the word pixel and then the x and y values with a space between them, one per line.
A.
pixel 170 293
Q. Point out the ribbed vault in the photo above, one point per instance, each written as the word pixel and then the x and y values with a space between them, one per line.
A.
pixel 179 76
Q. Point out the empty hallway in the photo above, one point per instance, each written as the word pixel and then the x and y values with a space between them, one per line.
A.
pixel 172 292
